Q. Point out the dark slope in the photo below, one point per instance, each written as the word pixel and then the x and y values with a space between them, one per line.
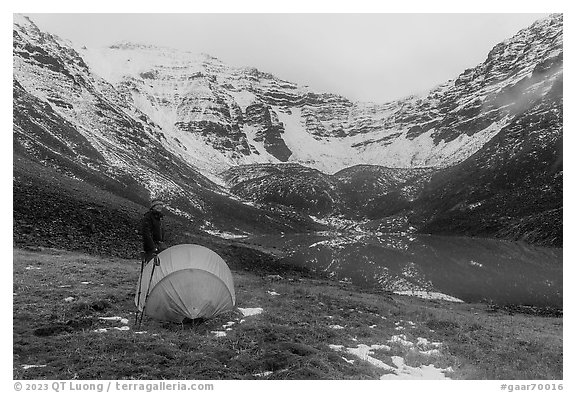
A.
pixel 295 186
pixel 511 188
pixel 55 210
pixel 359 192
pixel 374 192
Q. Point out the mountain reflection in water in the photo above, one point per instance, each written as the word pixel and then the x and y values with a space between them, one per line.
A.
pixel 470 269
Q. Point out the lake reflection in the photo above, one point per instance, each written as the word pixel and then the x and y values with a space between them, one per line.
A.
pixel 471 269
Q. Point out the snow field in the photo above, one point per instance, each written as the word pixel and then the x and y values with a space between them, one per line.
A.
pixel 400 370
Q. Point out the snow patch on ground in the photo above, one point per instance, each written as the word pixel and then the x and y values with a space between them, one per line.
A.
pixel 264 374
pixel 423 346
pixel 400 370
pixel 424 343
pixel 429 295
pixel 115 319
pixel 224 235
pixel 27 366
pixel 431 352
pixel 403 371
pixel 363 352
pixel 402 340
pixel 247 312
pixel 228 324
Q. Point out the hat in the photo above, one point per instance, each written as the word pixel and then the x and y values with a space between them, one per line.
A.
pixel 156 202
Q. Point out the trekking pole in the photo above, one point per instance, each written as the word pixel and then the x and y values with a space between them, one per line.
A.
pixel 156 263
pixel 143 262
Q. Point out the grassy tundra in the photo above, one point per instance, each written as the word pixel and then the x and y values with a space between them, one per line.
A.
pixel 309 327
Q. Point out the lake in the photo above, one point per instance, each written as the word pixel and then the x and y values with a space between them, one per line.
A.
pixel 453 268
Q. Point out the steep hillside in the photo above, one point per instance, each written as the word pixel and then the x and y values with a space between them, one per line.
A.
pixel 52 210
pixel 295 186
pixel 512 188
pixel 78 128
pixel 360 192
pixel 53 87
pixel 375 192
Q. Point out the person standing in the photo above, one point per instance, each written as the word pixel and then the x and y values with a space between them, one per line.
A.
pixel 153 230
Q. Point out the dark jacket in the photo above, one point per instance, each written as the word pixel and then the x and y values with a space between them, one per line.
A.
pixel 152 230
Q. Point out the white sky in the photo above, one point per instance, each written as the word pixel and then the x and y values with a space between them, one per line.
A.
pixel 367 57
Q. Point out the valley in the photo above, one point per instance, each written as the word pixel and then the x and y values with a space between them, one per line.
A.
pixel 480 155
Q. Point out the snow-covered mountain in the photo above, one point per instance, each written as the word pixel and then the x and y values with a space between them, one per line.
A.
pixel 78 125
pixel 141 120
pixel 216 116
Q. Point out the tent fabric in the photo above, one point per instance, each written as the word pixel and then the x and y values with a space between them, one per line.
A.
pixel 191 281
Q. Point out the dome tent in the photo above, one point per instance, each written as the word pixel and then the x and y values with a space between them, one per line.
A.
pixel 191 281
